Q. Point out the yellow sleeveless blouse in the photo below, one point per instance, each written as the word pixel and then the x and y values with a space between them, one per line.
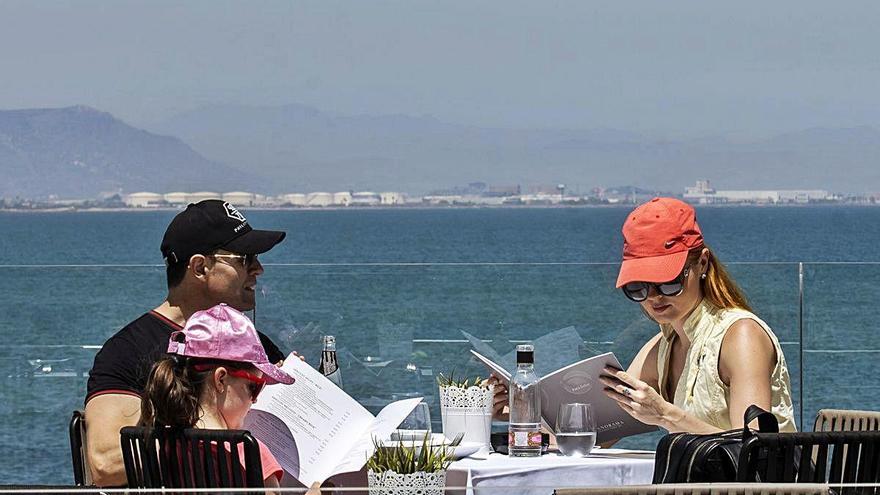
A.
pixel 700 391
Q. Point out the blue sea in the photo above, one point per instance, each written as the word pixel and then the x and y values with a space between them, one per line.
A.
pixel 401 289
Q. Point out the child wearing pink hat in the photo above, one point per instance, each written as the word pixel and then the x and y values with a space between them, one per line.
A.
pixel 214 370
pixel 712 357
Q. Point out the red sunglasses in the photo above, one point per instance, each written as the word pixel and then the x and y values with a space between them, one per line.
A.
pixel 254 387
pixel 256 382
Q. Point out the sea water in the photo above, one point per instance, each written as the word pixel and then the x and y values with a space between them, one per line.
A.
pixel 400 286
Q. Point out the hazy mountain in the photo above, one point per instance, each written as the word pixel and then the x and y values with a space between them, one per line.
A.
pixel 307 149
pixel 313 150
pixel 80 152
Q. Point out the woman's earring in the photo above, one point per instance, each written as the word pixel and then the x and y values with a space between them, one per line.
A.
pixel 703 277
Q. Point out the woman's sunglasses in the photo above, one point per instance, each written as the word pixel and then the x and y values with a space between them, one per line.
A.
pixel 638 291
pixel 255 383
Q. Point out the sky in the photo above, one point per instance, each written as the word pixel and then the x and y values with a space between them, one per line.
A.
pixel 678 69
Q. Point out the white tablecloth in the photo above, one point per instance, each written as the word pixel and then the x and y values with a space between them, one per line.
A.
pixel 530 475
pixel 605 467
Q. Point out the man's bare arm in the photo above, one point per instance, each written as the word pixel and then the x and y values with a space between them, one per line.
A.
pixel 105 416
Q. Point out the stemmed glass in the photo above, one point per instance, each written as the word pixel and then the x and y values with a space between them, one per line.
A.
pixel 575 429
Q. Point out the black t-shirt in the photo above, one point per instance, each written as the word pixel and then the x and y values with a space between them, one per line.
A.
pixel 123 364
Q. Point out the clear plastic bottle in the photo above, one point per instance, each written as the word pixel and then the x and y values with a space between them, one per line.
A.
pixel 524 430
pixel 329 366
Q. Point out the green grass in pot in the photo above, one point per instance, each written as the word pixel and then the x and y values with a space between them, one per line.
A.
pixel 451 381
pixel 408 458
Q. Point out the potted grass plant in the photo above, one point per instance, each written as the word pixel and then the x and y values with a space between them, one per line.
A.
pixel 405 468
pixel 466 408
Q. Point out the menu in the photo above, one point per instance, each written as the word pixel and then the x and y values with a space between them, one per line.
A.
pixel 315 429
pixel 579 382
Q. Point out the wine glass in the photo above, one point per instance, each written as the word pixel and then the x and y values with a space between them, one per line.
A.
pixel 416 426
pixel 575 429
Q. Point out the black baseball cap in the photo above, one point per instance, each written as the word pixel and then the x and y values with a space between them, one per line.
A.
pixel 212 224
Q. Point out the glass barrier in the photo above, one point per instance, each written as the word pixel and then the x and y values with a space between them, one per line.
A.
pixel 841 337
pixel 54 320
pixel 398 326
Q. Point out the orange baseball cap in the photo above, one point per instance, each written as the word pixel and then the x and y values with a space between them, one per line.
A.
pixel 656 239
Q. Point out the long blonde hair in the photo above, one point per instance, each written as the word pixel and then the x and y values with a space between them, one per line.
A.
pixel 718 286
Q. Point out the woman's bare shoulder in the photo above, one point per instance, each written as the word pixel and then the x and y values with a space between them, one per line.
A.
pixel 745 336
pixel 746 346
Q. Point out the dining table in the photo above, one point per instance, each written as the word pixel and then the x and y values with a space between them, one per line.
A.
pixel 488 474
pixel 484 473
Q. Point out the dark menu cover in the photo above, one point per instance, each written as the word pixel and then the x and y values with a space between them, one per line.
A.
pixel 579 382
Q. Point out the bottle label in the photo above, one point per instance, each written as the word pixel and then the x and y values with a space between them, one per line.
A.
pixel 524 439
pixel 329 365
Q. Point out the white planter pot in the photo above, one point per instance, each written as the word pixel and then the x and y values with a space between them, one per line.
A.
pixel 467 412
pixel 420 483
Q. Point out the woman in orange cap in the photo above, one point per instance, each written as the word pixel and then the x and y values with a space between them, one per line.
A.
pixel 713 357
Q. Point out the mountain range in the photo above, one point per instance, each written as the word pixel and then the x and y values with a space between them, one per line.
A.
pixel 81 152
pixel 310 149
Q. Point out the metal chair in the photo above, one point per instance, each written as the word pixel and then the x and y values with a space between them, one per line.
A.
pixel 830 457
pixel 846 420
pixel 77 433
pixel 190 458
pixel 701 489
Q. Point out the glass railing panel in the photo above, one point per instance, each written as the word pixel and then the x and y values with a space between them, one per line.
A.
pixel 53 321
pixel 842 337
pixel 398 327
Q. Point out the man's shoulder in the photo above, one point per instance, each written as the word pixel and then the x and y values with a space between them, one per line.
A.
pixel 151 320
pixel 124 361
pixel 149 325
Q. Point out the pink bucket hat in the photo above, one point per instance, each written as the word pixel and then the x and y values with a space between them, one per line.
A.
pixel 224 333
pixel 657 237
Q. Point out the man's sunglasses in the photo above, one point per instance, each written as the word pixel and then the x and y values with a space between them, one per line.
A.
pixel 638 291
pixel 255 383
pixel 246 260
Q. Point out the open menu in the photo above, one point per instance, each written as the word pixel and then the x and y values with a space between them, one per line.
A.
pixel 579 382
pixel 315 429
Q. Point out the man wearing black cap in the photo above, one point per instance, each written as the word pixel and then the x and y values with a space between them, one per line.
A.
pixel 210 254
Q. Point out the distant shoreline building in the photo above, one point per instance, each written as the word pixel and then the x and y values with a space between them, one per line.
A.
pixel 179 199
pixel 342 198
pixel 293 199
pixel 365 198
pixel 703 193
pixel 144 199
pixel 476 194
